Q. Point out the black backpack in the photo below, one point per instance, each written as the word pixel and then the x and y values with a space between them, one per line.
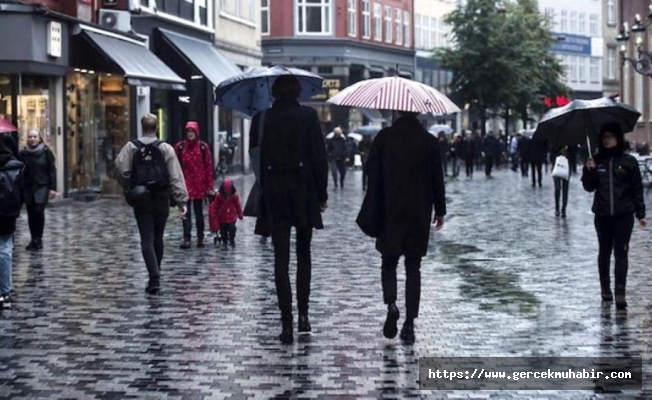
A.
pixel 148 167
pixel 11 196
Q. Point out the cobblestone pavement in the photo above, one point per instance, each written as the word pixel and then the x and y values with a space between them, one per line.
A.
pixel 504 278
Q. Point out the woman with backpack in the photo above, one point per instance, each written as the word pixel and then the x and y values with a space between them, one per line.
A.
pixel 197 164
pixel 40 184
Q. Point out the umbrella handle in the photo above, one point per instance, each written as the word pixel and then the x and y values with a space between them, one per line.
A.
pixel 588 146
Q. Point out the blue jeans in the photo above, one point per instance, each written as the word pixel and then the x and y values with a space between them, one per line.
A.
pixel 6 249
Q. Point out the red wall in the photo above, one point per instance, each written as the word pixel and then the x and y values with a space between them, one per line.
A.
pixel 69 7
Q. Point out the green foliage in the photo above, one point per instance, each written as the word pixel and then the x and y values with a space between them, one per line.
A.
pixel 501 59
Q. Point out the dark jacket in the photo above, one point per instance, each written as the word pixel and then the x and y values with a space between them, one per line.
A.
pixel 338 148
pixel 618 185
pixel 294 168
pixel 524 148
pixel 470 149
pixel 537 150
pixel 7 224
pixel 40 174
pixel 490 146
pixel 405 181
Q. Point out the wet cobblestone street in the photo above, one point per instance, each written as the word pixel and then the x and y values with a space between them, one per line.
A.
pixel 505 277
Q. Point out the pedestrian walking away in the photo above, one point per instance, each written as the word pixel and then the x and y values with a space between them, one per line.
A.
pixel 338 156
pixel 615 178
pixel 294 177
pixel 11 201
pixel 561 184
pixel 40 185
pixel 224 212
pixel 149 171
pixel 197 164
pixel 490 150
pixel 363 149
pixel 406 180
pixel 524 154
pixel 537 149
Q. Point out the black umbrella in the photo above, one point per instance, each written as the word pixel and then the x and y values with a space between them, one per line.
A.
pixel 581 120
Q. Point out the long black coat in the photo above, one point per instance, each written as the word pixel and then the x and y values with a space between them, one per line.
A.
pixel 40 175
pixel 406 180
pixel 294 168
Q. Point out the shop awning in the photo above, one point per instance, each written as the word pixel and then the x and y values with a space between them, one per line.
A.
pixel 131 57
pixel 203 55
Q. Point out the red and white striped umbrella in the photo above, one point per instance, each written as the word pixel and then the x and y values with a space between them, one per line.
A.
pixel 395 93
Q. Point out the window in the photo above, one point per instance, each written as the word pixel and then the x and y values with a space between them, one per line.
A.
pixel 611 12
pixel 238 11
pixel 433 33
pixel 418 37
pixel 407 36
pixel 564 21
pixel 388 24
pixel 581 65
pixel 441 33
pixel 378 22
pixel 594 70
pixel 352 13
pixel 563 60
pixel 573 22
pixel 366 19
pixel 314 16
pixel 399 26
pixel 573 68
pixel 550 16
pixel 611 63
pixel 581 24
pixel 593 25
pixel 264 17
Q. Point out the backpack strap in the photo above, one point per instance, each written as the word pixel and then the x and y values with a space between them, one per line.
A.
pixel 139 145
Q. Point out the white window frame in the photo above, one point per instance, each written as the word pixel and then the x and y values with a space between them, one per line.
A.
pixel 238 9
pixel 593 25
pixel 418 38
pixel 611 63
pixel 264 13
pixel 407 36
pixel 581 23
pixel 573 22
pixel 378 22
pixel 398 21
pixel 594 70
pixel 389 24
pixel 432 33
pixel 352 18
pixel 150 8
pixel 572 63
pixel 611 12
pixel 581 72
pixel 366 19
pixel 563 21
pixel 326 7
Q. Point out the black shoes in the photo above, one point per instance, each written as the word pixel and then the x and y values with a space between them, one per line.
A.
pixel 200 242
pixel 621 303
pixel 35 244
pixel 407 333
pixel 153 286
pixel 304 323
pixel 390 329
pixel 5 302
pixel 185 244
pixel 286 336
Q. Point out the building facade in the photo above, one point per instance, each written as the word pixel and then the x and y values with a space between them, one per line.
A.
pixel 345 41
pixel 635 88
pixel 578 25
pixel 237 35
pixel 611 70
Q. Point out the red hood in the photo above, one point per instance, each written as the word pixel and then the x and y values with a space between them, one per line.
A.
pixel 195 127
pixel 227 187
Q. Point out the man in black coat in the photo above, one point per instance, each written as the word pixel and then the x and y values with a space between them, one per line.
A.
pixel 405 181
pixel 537 151
pixel 338 156
pixel 491 149
pixel 294 176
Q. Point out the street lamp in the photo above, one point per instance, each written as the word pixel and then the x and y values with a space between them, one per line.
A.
pixel 643 61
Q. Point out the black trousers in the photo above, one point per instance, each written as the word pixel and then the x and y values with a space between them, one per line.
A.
pixel 524 166
pixel 536 169
pixel 227 233
pixel 613 235
pixel 561 188
pixel 36 219
pixel 151 225
pixel 338 166
pixel 412 283
pixel 488 165
pixel 469 164
pixel 365 177
pixel 198 206
pixel 281 242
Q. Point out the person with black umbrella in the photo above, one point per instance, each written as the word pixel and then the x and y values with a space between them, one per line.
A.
pixel 615 178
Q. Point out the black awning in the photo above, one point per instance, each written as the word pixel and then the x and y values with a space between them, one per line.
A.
pixel 130 57
pixel 203 55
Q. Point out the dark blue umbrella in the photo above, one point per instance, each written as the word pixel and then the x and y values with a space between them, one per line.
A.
pixel 581 120
pixel 251 91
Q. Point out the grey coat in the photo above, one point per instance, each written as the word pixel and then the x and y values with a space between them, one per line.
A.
pixel 40 175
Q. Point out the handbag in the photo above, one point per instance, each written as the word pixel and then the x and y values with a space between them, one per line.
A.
pixel 561 168
pixel 253 205
pixel 138 196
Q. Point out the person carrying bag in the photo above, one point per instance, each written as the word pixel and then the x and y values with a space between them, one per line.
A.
pixel 561 177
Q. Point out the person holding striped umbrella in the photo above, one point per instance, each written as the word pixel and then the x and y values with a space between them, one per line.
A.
pixel 406 182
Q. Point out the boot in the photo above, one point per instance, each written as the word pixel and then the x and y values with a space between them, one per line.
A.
pixel 185 243
pixel 563 212
pixel 200 242
pixel 286 336
pixel 32 245
pixel 556 207
pixel 605 288
pixel 390 329
pixel 153 286
pixel 621 303
pixel 407 333
pixel 39 243
pixel 304 322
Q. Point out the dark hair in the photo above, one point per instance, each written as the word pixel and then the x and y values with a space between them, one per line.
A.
pixel 286 87
pixel 617 132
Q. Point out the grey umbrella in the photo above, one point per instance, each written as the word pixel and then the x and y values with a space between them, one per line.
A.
pixel 581 120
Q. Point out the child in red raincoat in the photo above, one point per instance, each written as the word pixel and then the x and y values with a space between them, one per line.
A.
pixel 224 212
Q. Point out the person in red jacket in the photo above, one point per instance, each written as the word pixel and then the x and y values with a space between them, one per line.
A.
pixel 224 211
pixel 197 165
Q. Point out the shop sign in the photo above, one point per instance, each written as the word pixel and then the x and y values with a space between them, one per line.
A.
pixel 331 88
pixel 54 39
pixel 184 99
